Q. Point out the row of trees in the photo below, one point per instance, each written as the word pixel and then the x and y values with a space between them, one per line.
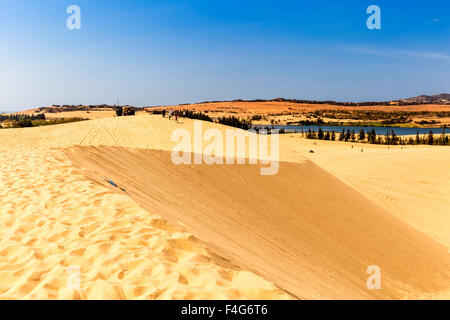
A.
pixel 231 121
pixel 196 115
pixel 21 120
pixel 18 117
pixel 390 138
pixel 34 120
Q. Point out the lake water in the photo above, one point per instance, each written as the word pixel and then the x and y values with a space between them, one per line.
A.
pixel 379 130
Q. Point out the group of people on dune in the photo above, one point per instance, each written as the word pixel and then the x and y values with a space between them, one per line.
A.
pixel 174 114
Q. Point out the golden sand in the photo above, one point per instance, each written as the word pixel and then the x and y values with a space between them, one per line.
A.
pixel 58 214
pixel 301 229
pixel 411 182
pixel 55 220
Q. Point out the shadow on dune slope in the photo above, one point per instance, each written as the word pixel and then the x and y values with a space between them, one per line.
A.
pixel 303 229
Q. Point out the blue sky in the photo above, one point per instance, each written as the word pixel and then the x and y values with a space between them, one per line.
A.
pixel 161 52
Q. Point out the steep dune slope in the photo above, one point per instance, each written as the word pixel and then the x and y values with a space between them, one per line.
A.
pixel 411 182
pixel 302 229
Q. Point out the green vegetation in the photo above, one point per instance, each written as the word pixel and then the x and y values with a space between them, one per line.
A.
pixel 390 138
pixel 35 120
pixel 235 122
pixel 231 121
pixel 197 115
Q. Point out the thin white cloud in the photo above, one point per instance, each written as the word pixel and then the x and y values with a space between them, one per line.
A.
pixel 369 50
pixel 428 55
pixel 366 50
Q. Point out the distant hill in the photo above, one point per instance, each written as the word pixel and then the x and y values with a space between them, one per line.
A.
pixel 443 98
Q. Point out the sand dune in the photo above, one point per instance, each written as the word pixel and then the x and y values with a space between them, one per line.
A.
pixel 56 222
pixel 302 229
pixel 411 182
pixel 148 132
pixel 55 218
